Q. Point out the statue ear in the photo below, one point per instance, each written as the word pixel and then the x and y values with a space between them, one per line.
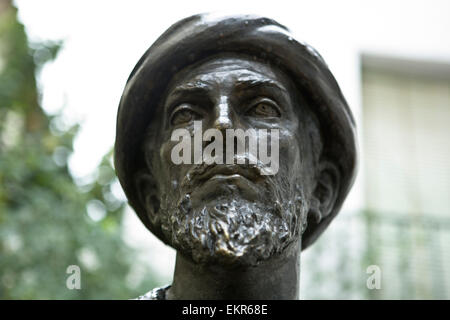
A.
pixel 148 195
pixel 326 191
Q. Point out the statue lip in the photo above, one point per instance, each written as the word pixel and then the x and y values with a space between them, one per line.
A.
pixel 229 172
pixel 225 177
pixel 199 175
pixel 219 182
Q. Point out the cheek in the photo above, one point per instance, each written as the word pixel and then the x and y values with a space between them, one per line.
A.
pixel 170 172
pixel 289 155
pixel 165 152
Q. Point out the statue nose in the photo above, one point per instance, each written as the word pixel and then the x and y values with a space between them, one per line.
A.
pixel 223 115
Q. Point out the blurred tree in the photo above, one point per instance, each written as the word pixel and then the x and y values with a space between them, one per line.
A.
pixel 47 222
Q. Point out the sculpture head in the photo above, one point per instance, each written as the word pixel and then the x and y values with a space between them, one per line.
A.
pixel 228 206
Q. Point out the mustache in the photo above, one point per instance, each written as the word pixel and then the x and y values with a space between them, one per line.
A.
pixel 200 173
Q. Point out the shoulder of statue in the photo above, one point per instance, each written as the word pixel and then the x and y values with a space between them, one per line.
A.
pixel 155 294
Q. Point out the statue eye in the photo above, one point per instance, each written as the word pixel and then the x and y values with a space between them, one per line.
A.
pixel 264 109
pixel 184 114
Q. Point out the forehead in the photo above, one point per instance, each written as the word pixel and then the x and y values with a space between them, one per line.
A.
pixel 226 70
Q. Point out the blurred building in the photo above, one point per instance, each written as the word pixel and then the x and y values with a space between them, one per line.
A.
pixel 405 216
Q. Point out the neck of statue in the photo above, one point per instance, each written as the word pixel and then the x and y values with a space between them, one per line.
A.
pixel 277 278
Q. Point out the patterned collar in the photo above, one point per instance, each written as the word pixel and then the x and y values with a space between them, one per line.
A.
pixel 155 294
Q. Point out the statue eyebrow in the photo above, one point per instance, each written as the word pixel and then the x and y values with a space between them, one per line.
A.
pixel 197 88
pixel 191 87
pixel 252 83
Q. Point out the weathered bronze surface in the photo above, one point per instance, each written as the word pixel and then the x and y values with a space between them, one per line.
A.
pixel 238 232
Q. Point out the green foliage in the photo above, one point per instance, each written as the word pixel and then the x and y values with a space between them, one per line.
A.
pixel 44 221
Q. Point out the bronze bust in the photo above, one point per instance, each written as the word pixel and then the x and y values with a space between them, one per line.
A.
pixel 238 227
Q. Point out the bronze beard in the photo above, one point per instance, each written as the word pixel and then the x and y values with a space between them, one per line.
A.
pixel 233 230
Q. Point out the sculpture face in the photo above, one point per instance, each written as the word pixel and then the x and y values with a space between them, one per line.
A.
pixel 230 214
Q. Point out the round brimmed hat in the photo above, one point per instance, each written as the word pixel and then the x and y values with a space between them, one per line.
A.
pixel 202 36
